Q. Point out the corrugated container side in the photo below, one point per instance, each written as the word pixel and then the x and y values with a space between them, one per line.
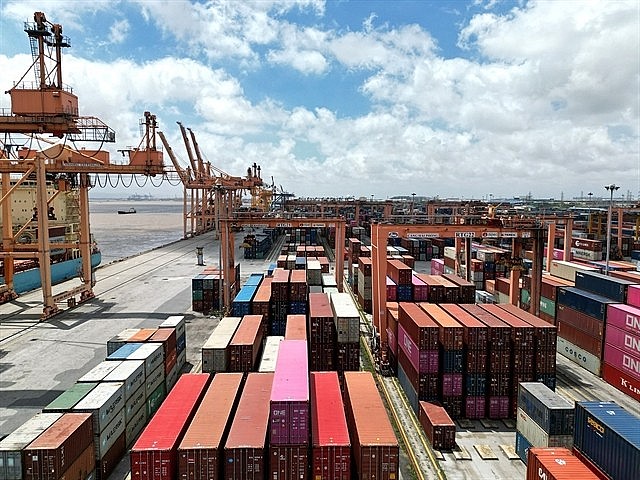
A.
pixel 537 436
pixel 200 453
pixel 621 380
pixel 215 353
pixel 151 353
pixel 244 450
pixel 288 461
pixel 625 341
pixel 245 345
pixel 451 332
pixel 605 285
pixel 117 341
pixel 628 363
pixel 82 466
pixel 553 413
pixel 154 456
pixel 131 373
pixel 105 402
pixel 99 372
pixel 625 317
pixel 578 355
pixel 438 426
pixel 556 464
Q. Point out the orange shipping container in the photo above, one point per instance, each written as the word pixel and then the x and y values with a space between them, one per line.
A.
pixel 556 464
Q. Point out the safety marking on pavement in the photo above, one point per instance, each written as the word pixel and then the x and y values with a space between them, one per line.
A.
pixel 510 452
pixel 485 452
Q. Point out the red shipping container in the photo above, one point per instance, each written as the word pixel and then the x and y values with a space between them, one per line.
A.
pixel 399 272
pixel 84 465
pixel 521 331
pixel 499 333
pixel 244 450
pixel 450 332
pixel 298 289
pixel 142 335
pixel 625 317
pixel 621 380
pixel 280 285
pixel 331 447
pixel 589 464
pixel 545 335
pixel 474 332
pixel 364 265
pixel 296 328
pixel 438 426
pixel 585 323
pixel 550 285
pixel 580 339
pixel 200 455
pixel 556 464
pixel 262 299
pixel 154 455
pixel 419 326
pixel 503 285
pixel 55 450
pixel 321 325
pixel 166 336
pixel 375 446
pixel 245 345
pixel 288 462
pixel 476 361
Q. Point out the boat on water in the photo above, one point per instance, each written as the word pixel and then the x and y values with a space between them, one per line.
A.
pixel 64 223
pixel 127 212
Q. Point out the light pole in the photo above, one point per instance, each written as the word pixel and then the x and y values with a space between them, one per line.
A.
pixel 590 194
pixel 611 188
pixel 413 199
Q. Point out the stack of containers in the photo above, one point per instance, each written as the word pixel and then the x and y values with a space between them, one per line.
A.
pixel 621 367
pixel 450 336
pixel 289 413
pixel 200 454
pixel 330 445
pixel 12 445
pixel 328 281
pixel 205 291
pixel 178 322
pixel 246 344
pixel 438 426
pixel 544 419
pixel 556 463
pixel 568 270
pixel 607 437
pixel 435 289
pixel 322 333
pixel 296 328
pixel 375 448
pixel 215 351
pixel 167 338
pixel 420 289
pixel 69 398
pixel 353 254
pixel 298 293
pixel 474 335
pixel 467 292
pixel 437 266
pixel 279 301
pixel 522 351
pixel 392 335
pixel 418 364
pixel 347 326
pixel 244 450
pixel 64 450
pixel 364 283
pixel 314 273
pixel 114 343
pixel 131 373
pixel 241 305
pixel 270 354
pixel 402 276
pixel 155 453
pixel 581 319
pixel 261 304
pixel 154 371
pixel 544 345
pixel 392 290
pixel 499 364
pixel 106 404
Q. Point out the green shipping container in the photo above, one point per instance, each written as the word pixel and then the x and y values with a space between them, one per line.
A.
pixel 525 296
pixel 68 399
pixel 197 295
pixel 548 306
pixel 155 400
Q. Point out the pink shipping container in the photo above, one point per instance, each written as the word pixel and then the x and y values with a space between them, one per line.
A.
pixel 331 447
pixel 437 266
pixel 423 361
pixel 633 295
pixel 622 381
pixel 475 407
pixel 289 404
pixel 625 341
pixel 625 317
pixel 498 407
pixel 244 451
pixel 451 384
pixel 629 364
pixel 392 290
pixel 154 456
pixel 420 290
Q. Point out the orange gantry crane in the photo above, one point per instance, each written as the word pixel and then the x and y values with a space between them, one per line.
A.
pixel 49 106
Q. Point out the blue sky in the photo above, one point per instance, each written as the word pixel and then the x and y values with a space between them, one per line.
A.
pixel 447 98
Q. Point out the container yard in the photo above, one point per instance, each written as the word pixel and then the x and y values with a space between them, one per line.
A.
pixel 309 338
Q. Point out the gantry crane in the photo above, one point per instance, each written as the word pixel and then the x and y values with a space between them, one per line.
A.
pixel 49 106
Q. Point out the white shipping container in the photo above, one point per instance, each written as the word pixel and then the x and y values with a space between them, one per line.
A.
pixel 567 270
pixel 214 350
pixel 346 317
pixel 12 445
pixel 104 402
pixel 110 434
pixel 114 343
pixel 578 355
pixel 135 402
pixel 329 280
pixel 131 373
pixel 485 255
pixel 97 373
pixel 314 272
pixel 450 252
pixel 135 425
pixel 270 354
pixel 536 435
pixel 154 380
pixel 586 254
pixel 177 322
pixel 152 354
pixel 331 290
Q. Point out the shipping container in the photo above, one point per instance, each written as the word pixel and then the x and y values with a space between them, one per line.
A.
pixel 438 426
pixel 215 351
pixel 104 402
pixel 200 455
pixel 556 464
pixel 474 332
pixel 609 436
pixel 591 344
pixel 131 374
pixel 167 338
pixel 399 272
pixel 567 270
pixel 578 355
pixel 550 411
pixel 84 465
pixel 152 354
pixel 296 328
pixel 177 322
pixel 346 318
pixel 110 459
pixel 134 425
pixel 97 373
pixel 244 450
pixel 141 336
pixel 581 321
pixel 499 333
pixel 605 285
pixel 585 302
pixel 54 451
pixel 321 325
pixel 537 436
pixel 625 317
pixel 375 447
pixel 625 341
pixel 124 351
pixel 288 462
pixel 154 455
pixel 467 288
pixel 270 354
pixel 621 380
pixel 521 331
pixel 70 398
pixel 623 361
pixel 522 447
pixel 154 380
pixel 289 402
pixel 633 295
pixel 117 341
pixel 450 332
pixel 331 447
pixel 419 326
pixel 246 344
pixel 12 445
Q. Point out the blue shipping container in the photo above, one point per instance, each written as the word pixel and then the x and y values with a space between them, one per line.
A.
pixel 549 379
pixel 522 447
pixel 452 361
pixel 609 287
pixel 405 293
pixel 297 308
pixel 585 302
pixel 476 384
pixel 246 294
pixel 609 436
pixel 124 351
pixel 550 411
pixel 254 280
pixel 409 391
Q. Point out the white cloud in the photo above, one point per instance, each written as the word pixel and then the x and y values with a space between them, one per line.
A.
pixel 119 31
